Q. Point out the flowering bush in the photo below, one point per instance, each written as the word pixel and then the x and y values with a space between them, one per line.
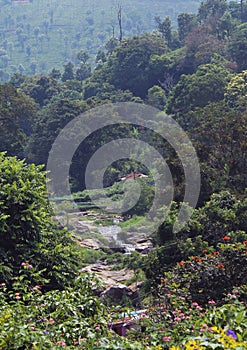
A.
pixel 73 318
pixel 201 307
pixel 209 276
pixel 186 326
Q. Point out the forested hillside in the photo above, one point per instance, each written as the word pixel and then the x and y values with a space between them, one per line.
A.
pixel 38 35
pixel 188 288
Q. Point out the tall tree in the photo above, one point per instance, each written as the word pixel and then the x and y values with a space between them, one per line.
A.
pixel 41 89
pixel 83 56
pixel 219 134
pixel 238 46
pixel 68 73
pixel 186 22
pixel 128 67
pixel 164 27
pixel 206 85
pixel 16 112
pixel 211 8
pixel 51 119
pixel 119 16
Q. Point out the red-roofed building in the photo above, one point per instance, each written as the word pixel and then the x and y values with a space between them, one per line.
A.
pixel 133 176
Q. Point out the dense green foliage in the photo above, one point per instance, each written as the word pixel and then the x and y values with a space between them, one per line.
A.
pixel 17 111
pixel 28 233
pixel 197 74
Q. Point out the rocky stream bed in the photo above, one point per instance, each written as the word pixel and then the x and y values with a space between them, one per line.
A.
pixel 92 234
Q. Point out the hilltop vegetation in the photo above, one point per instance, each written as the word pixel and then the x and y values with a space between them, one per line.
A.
pixel 38 35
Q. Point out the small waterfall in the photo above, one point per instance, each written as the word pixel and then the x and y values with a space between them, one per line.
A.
pixel 111 234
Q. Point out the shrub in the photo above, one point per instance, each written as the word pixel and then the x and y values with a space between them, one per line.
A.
pixel 28 232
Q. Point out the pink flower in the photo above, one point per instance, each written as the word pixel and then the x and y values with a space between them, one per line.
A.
pixel 30 266
pixel 212 302
pixel 194 303
pixel 23 264
pixel 232 296
pixel 167 338
pixel 97 328
pixel 61 342
pixel 36 287
pixel 177 319
pixel 51 321
pixel 199 308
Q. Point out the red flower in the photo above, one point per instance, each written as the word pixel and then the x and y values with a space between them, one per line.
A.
pixel 181 263
pixel 216 253
pixel 221 266
pixel 204 250
pixel 244 242
pixel 226 238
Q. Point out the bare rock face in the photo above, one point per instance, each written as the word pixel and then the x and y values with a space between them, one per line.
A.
pixel 112 282
pixel 90 243
pixel 107 275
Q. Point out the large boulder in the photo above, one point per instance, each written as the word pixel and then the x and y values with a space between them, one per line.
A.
pixel 117 293
pixel 144 246
pixel 112 283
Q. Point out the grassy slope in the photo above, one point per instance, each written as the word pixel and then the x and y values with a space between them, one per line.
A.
pixel 92 19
